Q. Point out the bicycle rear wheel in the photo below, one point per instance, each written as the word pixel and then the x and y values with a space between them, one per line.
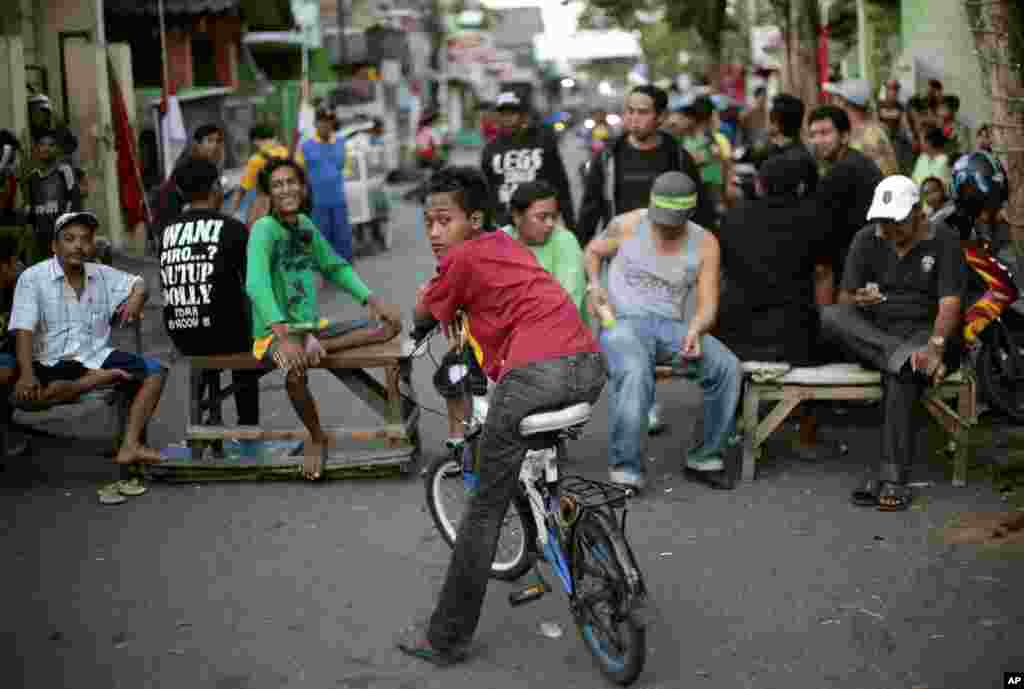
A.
pixel 448 502
pixel 611 629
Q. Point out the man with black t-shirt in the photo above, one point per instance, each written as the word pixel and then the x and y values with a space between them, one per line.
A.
pixel 844 192
pixel 202 270
pixel 621 176
pixel 523 153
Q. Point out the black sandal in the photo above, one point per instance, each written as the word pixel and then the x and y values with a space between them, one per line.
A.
pixel 898 496
pixel 867 494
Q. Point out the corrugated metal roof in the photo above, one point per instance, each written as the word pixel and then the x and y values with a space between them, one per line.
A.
pixel 171 7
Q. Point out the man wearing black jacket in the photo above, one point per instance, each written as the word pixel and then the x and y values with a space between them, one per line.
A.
pixel 523 153
pixel 621 176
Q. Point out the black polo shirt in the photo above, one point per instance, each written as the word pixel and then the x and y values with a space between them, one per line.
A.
pixel 913 285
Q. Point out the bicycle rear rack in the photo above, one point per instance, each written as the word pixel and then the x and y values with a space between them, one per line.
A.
pixel 592 494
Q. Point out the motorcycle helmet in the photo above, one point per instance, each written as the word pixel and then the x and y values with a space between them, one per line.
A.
pixel 979 183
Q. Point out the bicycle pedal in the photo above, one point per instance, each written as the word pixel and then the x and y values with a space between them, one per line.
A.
pixel 527 595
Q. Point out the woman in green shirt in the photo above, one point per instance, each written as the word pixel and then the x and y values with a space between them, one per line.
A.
pixel 535 217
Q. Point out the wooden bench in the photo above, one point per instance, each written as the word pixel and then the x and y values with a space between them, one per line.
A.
pixel 788 387
pixel 396 438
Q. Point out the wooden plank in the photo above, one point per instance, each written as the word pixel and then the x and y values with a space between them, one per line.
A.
pixel 368 356
pixel 751 400
pixel 202 432
pixel 367 388
pixel 775 418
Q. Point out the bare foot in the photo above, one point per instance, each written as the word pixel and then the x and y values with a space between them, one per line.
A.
pixel 137 454
pixel 313 461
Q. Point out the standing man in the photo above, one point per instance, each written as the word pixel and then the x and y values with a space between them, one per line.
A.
pixel 62 315
pixel 785 122
pixel 207 144
pixel 323 156
pixel 52 191
pixel 202 271
pixel 523 153
pixel 264 141
pixel 41 118
pixel 866 134
pixel 754 122
pixel 845 192
pixel 621 176
pixel 899 311
pixel 890 114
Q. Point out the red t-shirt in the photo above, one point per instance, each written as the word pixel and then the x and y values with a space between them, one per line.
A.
pixel 518 313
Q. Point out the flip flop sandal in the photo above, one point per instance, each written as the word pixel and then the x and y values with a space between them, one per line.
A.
pixel 866 495
pixel 110 495
pixel 898 495
pixel 131 488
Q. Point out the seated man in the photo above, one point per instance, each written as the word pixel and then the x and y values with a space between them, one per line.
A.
pixel 660 262
pixel 533 344
pixel 285 248
pixel 899 312
pixel 202 271
pixel 9 271
pixel 63 310
pixel 769 247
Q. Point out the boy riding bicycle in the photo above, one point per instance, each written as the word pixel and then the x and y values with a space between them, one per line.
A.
pixel 533 344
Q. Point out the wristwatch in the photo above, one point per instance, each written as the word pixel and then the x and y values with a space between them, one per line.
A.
pixel 937 341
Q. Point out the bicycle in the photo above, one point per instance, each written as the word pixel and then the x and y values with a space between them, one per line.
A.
pixel 575 524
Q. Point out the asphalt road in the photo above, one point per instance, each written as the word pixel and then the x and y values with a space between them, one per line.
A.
pixel 779 584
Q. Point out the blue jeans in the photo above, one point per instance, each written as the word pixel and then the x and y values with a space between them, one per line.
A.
pixel 632 348
pixel 332 221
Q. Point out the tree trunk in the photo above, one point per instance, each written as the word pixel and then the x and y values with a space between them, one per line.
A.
pixel 992 37
pixel 800 62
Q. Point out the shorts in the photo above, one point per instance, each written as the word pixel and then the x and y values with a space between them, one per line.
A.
pixel 264 348
pixel 139 367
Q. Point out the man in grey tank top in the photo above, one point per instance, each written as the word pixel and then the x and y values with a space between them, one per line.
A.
pixel 661 302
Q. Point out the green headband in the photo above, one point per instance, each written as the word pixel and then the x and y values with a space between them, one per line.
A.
pixel 675 203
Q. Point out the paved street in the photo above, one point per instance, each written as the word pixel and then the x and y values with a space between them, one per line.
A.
pixel 780 584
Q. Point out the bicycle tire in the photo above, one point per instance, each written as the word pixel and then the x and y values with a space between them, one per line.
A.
pixel 1001 393
pixel 446 469
pixel 619 646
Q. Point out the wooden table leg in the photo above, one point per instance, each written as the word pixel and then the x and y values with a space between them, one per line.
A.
pixel 750 448
pixel 195 415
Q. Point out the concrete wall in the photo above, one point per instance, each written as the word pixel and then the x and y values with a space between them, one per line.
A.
pixel 937 43
pixel 13 111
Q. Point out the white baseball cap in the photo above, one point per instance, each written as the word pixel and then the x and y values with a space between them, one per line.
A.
pixel 895 197
pixel 855 91
pixel 508 101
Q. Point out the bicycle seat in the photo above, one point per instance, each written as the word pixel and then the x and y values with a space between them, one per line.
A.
pixel 559 419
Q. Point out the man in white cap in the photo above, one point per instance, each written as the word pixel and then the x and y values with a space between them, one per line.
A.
pixel 867 135
pixel 62 315
pixel 899 311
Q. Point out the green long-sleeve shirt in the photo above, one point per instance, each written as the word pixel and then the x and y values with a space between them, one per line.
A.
pixel 562 257
pixel 281 273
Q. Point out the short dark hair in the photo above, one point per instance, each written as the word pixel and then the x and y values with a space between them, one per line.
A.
pixel 467 185
pixel 942 185
pixel 10 246
pixel 788 113
pixel 325 113
pixel 935 84
pixel 952 102
pixel 529 192
pixel 935 137
pixel 262 131
pixel 196 178
pixel 46 134
pixel 659 96
pixel 839 118
pixel 204 130
pixel 760 91
pixel 273 164
pixel 782 175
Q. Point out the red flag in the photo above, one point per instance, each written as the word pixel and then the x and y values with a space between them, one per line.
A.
pixel 128 176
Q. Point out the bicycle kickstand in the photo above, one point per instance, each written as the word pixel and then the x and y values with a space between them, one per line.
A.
pixel 532 592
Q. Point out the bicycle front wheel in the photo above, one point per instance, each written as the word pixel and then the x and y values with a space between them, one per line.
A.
pixel 448 501
pixel 612 631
